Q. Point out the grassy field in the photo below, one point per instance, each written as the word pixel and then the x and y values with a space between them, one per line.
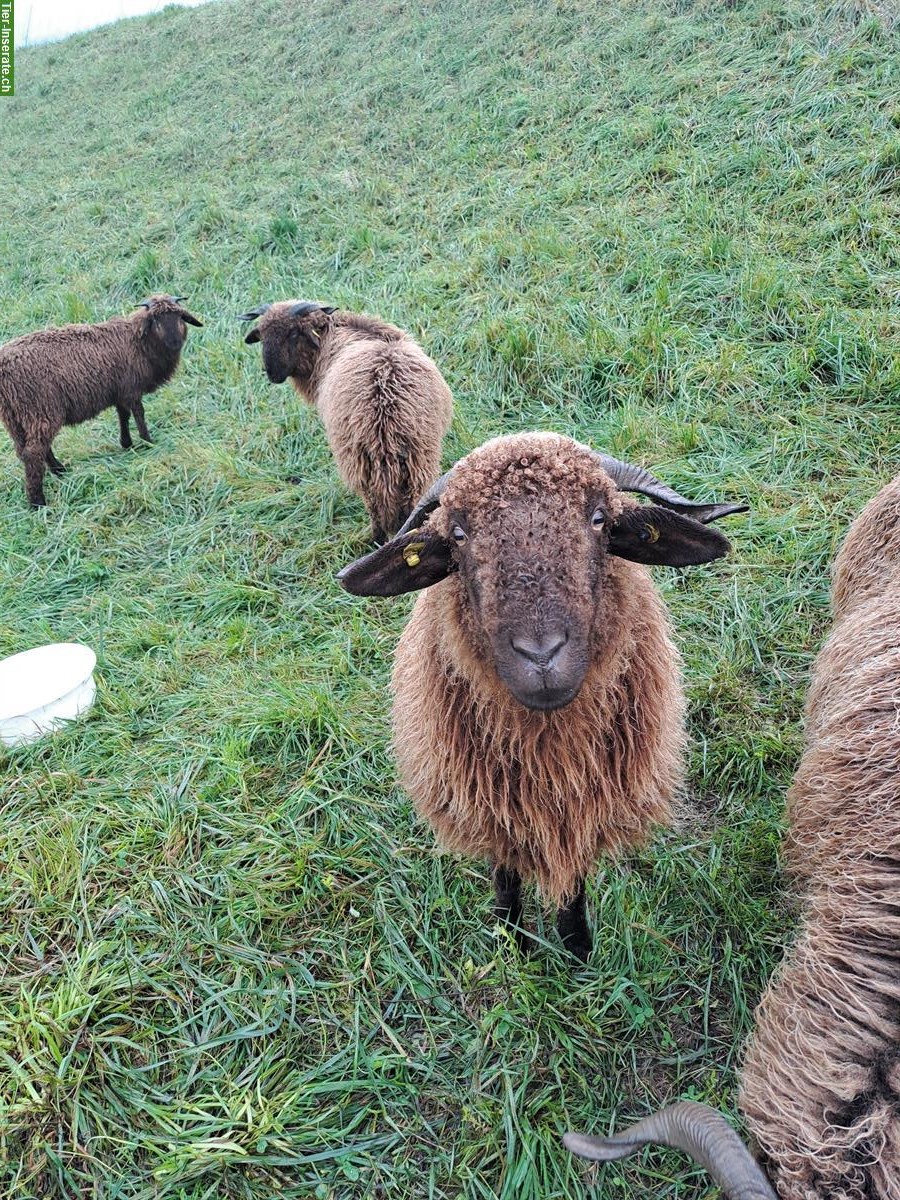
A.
pixel 233 962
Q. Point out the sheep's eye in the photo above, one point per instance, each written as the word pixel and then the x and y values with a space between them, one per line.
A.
pixel 459 535
pixel 598 519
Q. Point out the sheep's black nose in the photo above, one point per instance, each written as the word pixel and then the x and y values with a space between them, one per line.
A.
pixel 540 651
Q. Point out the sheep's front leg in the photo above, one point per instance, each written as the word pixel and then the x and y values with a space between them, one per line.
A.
pixel 53 463
pixel 124 430
pixel 137 410
pixel 571 922
pixel 508 902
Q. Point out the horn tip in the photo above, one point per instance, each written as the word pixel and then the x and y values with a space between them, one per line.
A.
pixel 594 1148
pixel 725 510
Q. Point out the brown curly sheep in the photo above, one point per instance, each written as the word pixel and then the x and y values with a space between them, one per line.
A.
pixel 383 402
pixel 869 559
pixel 820 1085
pixel 63 376
pixel 538 710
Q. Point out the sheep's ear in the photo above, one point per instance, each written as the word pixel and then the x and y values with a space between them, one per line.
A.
pixel 659 536
pixel 252 337
pixel 410 561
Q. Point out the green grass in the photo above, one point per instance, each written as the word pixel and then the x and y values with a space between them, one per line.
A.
pixel 234 964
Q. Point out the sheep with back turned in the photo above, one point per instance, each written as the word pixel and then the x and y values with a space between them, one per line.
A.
pixel 538 711
pixel 383 402
pixel 66 375
pixel 820 1083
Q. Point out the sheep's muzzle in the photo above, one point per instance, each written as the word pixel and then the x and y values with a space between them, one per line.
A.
pixel 544 670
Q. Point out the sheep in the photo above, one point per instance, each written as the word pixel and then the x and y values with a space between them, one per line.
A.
pixel 820 1082
pixel 869 559
pixel 538 710
pixel 67 375
pixel 383 402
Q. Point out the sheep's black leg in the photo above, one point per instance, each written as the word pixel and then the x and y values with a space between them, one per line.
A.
pixel 34 456
pixel 508 902
pixel 571 921
pixel 124 430
pixel 53 463
pixel 137 410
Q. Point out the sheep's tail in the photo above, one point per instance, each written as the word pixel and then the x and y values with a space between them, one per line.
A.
pixel 392 489
pixel 391 492
pixel 700 1131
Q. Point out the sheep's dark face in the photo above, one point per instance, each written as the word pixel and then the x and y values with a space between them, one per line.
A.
pixel 530 523
pixel 169 329
pixel 533 572
pixel 164 322
pixel 290 343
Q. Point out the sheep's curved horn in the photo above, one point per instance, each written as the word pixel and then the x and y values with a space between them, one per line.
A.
pixel 143 304
pixel 630 478
pixel 254 313
pixel 695 1128
pixel 425 505
pixel 303 307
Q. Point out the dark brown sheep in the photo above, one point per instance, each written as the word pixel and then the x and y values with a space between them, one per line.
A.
pixel 383 402
pixel 64 376
pixel 538 710
pixel 820 1084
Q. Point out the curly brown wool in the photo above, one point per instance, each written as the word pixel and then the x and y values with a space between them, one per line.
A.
pixel 63 376
pixel 869 559
pixel 820 1086
pixel 383 402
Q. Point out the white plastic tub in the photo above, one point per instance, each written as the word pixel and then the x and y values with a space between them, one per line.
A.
pixel 42 689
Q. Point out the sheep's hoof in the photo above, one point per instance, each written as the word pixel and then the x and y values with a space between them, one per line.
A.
pixel 39 502
pixel 524 944
pixel 127 445
pixel 58 468
pixel 579 947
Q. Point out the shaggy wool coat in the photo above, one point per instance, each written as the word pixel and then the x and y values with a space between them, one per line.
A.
pixel 63 376
pixel 383 402
pixel 820 1087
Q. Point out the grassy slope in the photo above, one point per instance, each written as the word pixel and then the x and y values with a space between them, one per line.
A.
pixel 234 964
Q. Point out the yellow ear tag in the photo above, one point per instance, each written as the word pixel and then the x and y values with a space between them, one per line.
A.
pixel 411 553
pixel 652 533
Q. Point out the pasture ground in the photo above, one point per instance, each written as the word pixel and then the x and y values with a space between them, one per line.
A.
pixel 233 963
